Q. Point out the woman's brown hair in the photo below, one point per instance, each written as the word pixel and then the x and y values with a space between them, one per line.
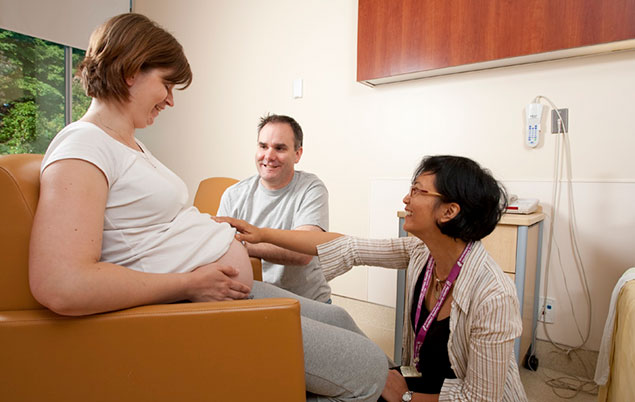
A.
pixel 125 45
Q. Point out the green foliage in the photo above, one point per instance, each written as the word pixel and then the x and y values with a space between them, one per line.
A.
pixel 32 93
pixel 18 127
pixel 80 100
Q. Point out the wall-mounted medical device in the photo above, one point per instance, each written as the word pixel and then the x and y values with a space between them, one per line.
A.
pixel 533 124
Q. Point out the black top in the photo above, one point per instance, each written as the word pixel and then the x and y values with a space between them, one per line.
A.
pixel 433 355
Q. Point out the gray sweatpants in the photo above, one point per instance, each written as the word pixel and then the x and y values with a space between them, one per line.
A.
pixel 340 362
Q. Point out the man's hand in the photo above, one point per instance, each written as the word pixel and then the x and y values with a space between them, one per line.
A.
pixel 213 282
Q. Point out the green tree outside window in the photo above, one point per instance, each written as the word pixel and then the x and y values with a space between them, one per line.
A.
pixel 32 92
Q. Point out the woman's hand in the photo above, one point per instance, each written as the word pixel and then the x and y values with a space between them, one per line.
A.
pixel 216 282
pixel 395 386
pixel 301 241
pixel 246 232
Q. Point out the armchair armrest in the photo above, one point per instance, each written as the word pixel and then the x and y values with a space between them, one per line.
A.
pixel 213 351
pixel 256 266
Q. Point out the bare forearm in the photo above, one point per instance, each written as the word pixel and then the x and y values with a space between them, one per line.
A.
pixel 425 397
pixel 302 241
pixel 105 287
pixel 277 255
pixel 305 242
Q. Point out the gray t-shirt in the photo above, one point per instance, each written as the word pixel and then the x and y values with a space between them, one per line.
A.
pixel 304 201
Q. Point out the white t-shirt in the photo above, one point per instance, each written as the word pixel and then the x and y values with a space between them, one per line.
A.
pixel 147 226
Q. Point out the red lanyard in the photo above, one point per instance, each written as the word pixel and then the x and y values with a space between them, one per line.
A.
pixel 421 334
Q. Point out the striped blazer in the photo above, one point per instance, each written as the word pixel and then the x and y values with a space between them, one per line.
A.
pixel 484 318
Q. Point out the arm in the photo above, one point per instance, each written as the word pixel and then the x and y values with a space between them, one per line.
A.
pixel 65 273
pixel 301 241
pixel 335 258
pixel 279 255
pixel 396 386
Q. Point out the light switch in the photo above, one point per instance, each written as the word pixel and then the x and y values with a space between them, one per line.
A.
pixel 297 88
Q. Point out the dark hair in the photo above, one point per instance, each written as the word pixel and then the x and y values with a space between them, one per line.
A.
pixel 125 45
pixel 276 118
pixel 482 199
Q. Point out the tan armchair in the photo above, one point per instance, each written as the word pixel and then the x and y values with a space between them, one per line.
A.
pixel 209 193
pixel 219 351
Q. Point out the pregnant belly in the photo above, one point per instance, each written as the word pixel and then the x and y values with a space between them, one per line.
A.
pixel 237 257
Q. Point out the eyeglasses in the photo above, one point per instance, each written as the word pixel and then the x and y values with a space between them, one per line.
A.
pixel 417 191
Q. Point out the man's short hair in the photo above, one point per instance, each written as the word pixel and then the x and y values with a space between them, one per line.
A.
pixel 277 118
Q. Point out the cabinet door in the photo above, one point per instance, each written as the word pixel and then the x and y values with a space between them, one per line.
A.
pixel 398 37
pixel 501 245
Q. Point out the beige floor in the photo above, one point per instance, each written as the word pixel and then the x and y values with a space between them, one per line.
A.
pixel 378 322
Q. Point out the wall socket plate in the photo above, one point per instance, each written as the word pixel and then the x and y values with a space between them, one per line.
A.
pixel 554 120
pixel 546 310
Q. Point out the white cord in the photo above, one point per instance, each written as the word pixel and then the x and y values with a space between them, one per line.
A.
pixel 559 164
pixel 572 384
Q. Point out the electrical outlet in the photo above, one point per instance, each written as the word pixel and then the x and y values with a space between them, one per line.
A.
pixel 547 310
pixel 554 121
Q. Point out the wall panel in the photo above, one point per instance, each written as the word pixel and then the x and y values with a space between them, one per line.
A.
pixel 407 36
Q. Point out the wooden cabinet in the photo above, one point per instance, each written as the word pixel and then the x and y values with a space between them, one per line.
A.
pixel 406 39
pixel 516 245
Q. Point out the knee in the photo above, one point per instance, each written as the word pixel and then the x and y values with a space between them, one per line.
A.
pixel 340 317
pixel 339 312
pixel 375 368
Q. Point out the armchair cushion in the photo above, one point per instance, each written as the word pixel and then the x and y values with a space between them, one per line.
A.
pixel 20 189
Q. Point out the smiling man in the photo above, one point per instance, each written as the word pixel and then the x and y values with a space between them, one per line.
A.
pixel 281 197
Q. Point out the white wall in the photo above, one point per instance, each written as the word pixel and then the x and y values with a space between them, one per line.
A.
pixel 364 142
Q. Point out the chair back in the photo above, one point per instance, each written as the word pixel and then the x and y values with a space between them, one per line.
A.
pixel 19 193
pixel 209 193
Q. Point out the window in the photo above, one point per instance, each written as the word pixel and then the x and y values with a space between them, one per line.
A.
pixel 34 97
